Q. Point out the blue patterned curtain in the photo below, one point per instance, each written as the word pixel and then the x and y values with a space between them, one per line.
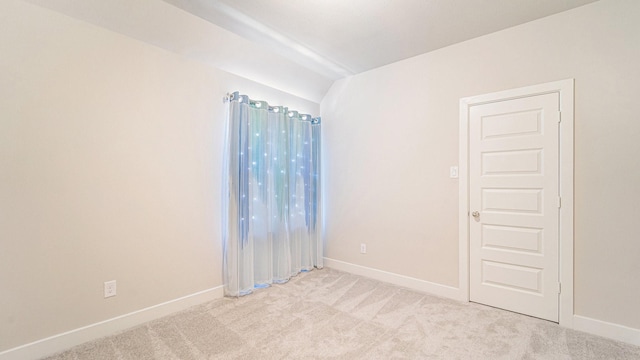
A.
pixel 271 195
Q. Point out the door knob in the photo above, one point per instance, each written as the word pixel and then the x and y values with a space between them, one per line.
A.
pixel 475 214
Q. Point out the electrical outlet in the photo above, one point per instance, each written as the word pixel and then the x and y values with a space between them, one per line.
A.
pixel 109 288
pixel 363 248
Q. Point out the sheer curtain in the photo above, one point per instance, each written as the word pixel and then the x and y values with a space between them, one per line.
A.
pixel 271 195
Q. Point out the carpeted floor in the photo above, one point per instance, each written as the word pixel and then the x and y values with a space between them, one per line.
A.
pixel 328 314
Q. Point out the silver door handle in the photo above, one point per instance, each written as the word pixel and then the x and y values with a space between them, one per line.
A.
pixel 475 214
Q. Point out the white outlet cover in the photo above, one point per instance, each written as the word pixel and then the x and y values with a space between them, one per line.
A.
pixel 109 288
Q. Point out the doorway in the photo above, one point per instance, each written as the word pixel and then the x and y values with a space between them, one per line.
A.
pixel 516 200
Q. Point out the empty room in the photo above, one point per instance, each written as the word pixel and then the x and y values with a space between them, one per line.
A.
pixel 279 179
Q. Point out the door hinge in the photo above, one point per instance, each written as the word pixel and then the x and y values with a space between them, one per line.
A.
pixel 559 288
pixel 559 202
pixel 559 116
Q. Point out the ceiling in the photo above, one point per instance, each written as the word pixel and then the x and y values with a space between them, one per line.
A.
pixel 302 46
pixel 338 38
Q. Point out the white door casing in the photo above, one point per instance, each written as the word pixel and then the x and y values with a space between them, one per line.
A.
pixel 516 165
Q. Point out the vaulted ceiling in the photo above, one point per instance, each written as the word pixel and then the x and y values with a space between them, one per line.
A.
pixel 303 46
pixel 338 38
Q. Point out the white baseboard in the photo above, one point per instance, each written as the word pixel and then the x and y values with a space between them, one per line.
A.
pixel 66 340
pixel 606 329
pixel 396 279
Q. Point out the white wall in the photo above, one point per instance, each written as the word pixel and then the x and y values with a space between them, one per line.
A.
pixel 159 23
pixel 391 134
pixel 110 158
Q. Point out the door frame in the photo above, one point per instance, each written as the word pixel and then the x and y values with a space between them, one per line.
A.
pixel 565 89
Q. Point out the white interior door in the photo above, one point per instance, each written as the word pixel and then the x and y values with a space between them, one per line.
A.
pixel 514 204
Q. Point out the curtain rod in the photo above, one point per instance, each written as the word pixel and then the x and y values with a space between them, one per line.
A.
pixel 306 117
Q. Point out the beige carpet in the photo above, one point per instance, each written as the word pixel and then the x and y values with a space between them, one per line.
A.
pixel 327 314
